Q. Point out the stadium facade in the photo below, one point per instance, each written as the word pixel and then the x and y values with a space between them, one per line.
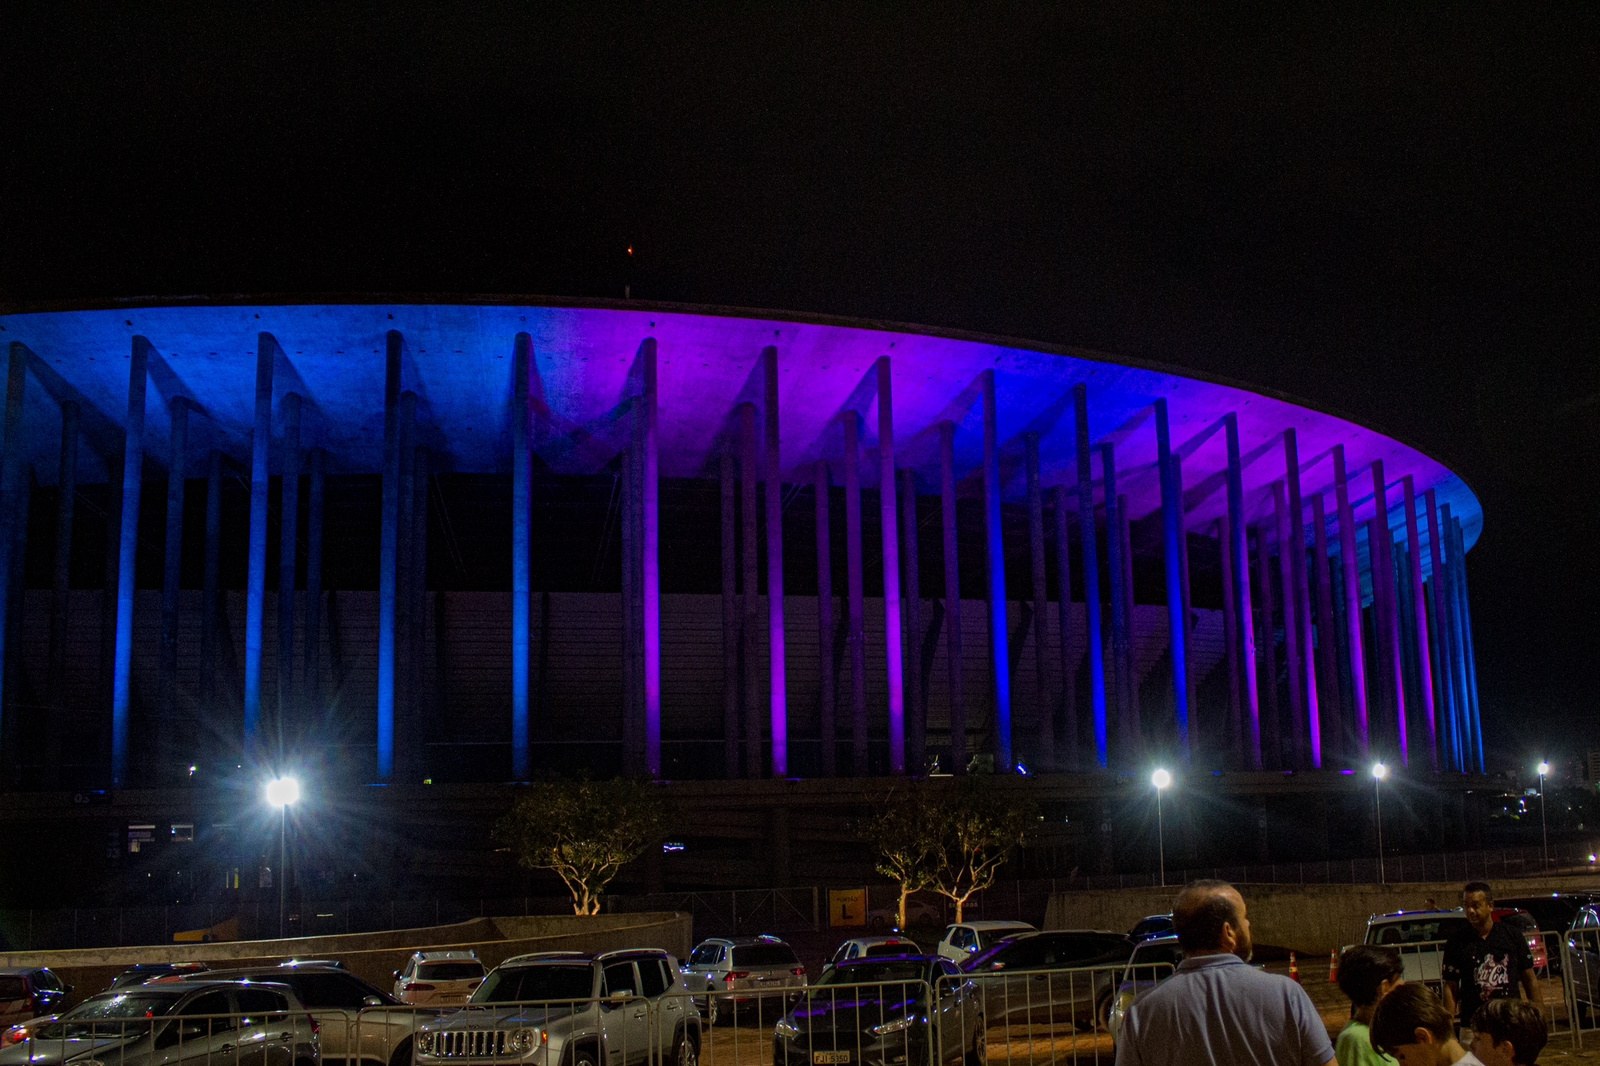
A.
pixel 491 539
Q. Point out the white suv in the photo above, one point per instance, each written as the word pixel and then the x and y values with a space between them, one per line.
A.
pixel 438 977
pixel 963 941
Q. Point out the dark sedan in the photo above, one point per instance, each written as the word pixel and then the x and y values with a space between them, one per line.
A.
pixel 1052 978
pixel 884 1012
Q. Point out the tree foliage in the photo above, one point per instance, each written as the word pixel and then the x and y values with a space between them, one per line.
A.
pixel 951 840
pixel 585 831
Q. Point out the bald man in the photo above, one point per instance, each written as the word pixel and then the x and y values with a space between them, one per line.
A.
pixel 1217 1008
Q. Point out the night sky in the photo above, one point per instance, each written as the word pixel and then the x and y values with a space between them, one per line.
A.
pixel 1391 214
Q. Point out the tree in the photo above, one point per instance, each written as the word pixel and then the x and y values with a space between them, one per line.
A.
pixel 585 831
pixel 978 826
pixel 904 835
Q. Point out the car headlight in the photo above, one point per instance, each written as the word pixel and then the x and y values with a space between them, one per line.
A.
pixel 786 1029
pixel 898 1025
pixel 520 1041
pixel 425 1043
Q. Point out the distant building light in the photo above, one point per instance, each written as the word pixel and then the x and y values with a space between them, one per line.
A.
pixel 673 845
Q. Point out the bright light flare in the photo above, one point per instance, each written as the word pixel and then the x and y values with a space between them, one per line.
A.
pixel 1380 771
pixel 283 791
pixel 1161 779
pixel 1544 769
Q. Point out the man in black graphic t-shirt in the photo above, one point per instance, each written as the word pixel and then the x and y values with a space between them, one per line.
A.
pixel 1487 960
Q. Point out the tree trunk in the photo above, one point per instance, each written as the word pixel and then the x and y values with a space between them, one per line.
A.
pixel 904 892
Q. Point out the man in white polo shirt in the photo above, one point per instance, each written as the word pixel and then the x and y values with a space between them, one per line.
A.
pixel 1218 1009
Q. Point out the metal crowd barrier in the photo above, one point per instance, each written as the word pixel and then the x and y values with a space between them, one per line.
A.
pixel 263 1038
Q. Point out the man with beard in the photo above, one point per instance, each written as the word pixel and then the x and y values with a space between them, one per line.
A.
pixel 1217 1008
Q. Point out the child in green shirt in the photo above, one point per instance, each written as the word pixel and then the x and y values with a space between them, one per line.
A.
pixel 1366 975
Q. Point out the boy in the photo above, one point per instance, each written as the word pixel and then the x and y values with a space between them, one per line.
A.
pixel 1508 1032
pixel 1366 975
pixel 1412 1024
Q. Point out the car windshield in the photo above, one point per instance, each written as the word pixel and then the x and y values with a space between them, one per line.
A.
pixel 119 1014
pixel 753 955
pixel 1416 930
pixel 533 984
pixel 706 955
pixel 873 973
pixel 875 951
pixel 450 971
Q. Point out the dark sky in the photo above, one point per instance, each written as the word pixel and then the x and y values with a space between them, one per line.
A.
pixel 1390 213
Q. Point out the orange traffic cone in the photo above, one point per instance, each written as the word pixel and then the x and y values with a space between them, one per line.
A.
pixel 1294 969
pixel 1333 967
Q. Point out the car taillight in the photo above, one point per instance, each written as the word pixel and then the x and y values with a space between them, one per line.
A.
pixel 14 1035
pixel 419 987
pixel 734 975
pixel 799 971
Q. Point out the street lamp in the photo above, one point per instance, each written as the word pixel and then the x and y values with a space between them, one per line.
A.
pixel 281 793
pixel 1544 827
pixel 1162 781
pixel 1379 772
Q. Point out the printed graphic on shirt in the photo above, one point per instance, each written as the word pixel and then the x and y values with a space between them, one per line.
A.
pixel 1493 975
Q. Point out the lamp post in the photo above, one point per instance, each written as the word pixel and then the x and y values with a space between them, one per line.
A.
pixel 1162 781
pixel 281 792
pixel 1544 827
pixel 1379 772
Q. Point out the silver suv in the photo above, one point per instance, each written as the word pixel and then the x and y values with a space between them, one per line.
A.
pixel 190 1023
pixel 734 971
pixel 570 1009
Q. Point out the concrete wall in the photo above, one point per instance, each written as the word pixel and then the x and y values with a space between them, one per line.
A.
pixel 1310 919
pixel 375 956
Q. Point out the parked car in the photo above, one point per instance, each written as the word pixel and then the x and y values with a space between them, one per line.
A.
pixel 193 1023
pixel 1554 914
pixel 741 970
pixel 29 991
pixel 884 1011
pixel 570 1008
pixel 438 977
pixel 1153 961
pixel 965 939
pixel 1044 978
pixel 1524 923
pixel 348 1010
pixel 1149 928
pixel 1419 937
pixel 139 973
pixel 872 947
pixel 1583 953
pixel 919 912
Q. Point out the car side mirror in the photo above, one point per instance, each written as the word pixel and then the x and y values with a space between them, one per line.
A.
pixel 371 1001
pixel 67 989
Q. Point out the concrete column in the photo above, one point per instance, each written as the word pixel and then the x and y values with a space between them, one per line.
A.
pixel 1190 682
pixel 1126 746
pixel 312 674
pixel 999 644
pixel 1439 633
pixel 857 635
pixel 1461 725
pixel 650 558
pixel 632 740
pixel 1470 656
pixel 1172 561
pixel 521 547
pixel 417 630
pixel 128 544
pixel 916 698
pixel 828 698
pixel 1125 532
pixel 171 575
pixel 1288 544
pixel 730 614
pixel 1301 599
pixel 749 470
pixel 61 586
pixel 1069 672
pixel 1267 658
pixel 894 644
pixel 1391 613
pixel 406 742
pixel 288 543
pixel 211 592
pixel 388 577
pixel 1045 757
pixel 1091 574
pixel 952 597
pixel 11 473
pixel 1419 607
pixel 1352 603
pixel 1250 703
pixel 777 671
pixel 1230 642
pixel 1327 667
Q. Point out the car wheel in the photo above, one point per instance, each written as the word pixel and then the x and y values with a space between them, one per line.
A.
pixel 1102 1014
pixel 687 1052
pixel 402 1053
pixel 978 1054
pixel 582 1056
pixel 711 1010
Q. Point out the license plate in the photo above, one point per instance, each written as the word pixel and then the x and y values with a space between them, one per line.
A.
pixel 830 1058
